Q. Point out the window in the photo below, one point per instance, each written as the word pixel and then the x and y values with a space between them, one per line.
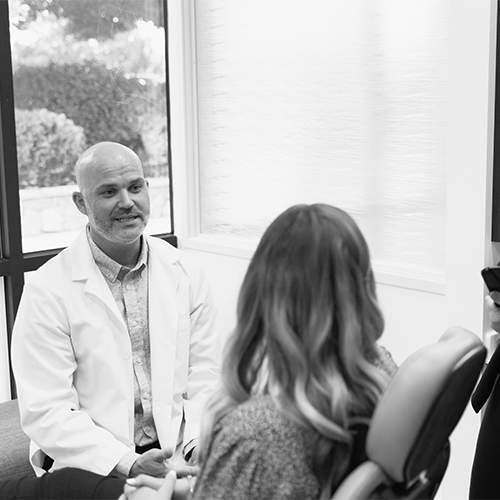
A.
pixel 85 71
pixel 74 72
pixel 340 102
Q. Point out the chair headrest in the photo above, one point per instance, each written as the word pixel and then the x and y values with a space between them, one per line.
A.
pixel 422 404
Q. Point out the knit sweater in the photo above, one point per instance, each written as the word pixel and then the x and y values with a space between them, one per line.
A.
pixel 257 453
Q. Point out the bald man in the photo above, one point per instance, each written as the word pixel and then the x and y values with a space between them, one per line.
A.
pixel 114 344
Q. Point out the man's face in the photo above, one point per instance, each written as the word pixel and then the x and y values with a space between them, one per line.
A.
pixel 116 201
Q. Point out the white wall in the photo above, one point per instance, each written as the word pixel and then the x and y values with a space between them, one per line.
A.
pixel 416 312
pixel 468 246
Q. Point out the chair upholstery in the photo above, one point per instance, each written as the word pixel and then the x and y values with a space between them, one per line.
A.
pixel 14 444
pixel 407 443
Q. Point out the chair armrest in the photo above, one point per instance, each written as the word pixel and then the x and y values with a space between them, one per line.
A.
pixel 14 444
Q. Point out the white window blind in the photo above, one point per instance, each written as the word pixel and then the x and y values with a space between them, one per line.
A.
pixel 336 101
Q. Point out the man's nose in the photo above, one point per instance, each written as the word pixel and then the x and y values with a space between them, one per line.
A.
pixel 125 200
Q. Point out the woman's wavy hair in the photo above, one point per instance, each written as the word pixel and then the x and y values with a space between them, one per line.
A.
pixel 307 326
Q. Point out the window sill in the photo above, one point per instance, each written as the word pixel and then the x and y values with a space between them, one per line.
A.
pixel 413 279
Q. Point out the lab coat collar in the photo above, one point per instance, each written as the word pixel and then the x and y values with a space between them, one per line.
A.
pixel 164 282
pixel 82 260
pixel 84 269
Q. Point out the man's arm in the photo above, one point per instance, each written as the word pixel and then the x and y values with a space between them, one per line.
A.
pixel 44 366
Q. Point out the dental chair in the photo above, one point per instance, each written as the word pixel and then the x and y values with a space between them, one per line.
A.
pixel 407 446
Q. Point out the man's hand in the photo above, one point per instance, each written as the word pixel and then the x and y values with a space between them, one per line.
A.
pixel 152 462
pixel 155 463
pixel 493 308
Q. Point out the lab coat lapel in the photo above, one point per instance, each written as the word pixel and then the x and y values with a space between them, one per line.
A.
pixel 84 269
pixel 164 280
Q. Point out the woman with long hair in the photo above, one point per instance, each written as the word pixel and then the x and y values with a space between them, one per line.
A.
pixel 302 369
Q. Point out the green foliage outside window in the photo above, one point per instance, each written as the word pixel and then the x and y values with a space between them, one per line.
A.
pixel 104 102
pixel 100 65
pixel 48 147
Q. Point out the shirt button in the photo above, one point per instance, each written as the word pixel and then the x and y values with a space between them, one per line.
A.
pixel 134 322
pixel 138 360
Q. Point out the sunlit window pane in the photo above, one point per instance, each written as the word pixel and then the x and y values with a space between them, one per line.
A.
pixel 85 71
pixel 341 102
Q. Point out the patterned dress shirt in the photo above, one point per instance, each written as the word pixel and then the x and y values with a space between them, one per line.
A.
pixel 130 291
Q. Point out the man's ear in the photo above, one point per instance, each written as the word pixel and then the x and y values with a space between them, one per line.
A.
pixel 79 202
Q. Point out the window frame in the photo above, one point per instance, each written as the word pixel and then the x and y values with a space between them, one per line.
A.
pixel 13 262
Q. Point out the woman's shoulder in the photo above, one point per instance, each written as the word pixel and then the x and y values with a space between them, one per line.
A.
pixel 260 420
pixel 256 414
pixel 385 361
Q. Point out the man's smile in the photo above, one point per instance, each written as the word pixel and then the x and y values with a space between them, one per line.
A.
pixel 127 218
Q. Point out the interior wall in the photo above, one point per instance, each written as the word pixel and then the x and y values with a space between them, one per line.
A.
pixel 472 58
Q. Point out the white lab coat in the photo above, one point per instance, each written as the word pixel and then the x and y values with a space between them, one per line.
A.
pixel 71 355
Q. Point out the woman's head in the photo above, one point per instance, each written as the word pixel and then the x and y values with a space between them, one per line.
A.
pixel 308 298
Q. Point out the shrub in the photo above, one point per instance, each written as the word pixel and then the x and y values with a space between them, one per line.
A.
pixel 48 145
pixel 102 101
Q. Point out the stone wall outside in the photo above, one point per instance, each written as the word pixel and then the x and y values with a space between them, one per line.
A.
pixel 48 214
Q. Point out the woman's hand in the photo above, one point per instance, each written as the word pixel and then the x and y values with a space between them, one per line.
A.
pixel 145 487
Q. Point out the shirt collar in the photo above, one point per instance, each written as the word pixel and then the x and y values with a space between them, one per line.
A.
pixel 111 269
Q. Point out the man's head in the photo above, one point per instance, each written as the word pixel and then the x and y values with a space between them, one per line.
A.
pixel 113 195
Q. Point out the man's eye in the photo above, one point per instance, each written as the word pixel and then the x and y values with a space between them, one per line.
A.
pixel 136 188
